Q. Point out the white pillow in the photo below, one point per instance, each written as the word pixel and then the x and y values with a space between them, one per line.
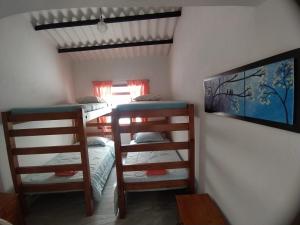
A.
pixel 89 99
pixel 144 137
pixel 97 141
pixel 149 97
pixel 4 222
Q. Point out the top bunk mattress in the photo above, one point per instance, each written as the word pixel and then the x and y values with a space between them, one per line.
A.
pixel 60 108
pixel 144 105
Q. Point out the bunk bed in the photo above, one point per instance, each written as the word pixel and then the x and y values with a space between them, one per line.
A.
pixel 36 179
pixel 139 158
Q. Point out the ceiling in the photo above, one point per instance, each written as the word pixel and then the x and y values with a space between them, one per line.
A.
pixel 10 7
pixel 73 31
pixel 121 32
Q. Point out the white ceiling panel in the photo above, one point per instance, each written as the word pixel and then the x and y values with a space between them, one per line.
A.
pixel 123 32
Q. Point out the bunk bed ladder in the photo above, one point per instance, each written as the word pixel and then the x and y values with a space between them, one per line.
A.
pixel 119 166
pixel 191 150
pixel 155 126
pixel 81 126
pixel 77 129
pixel 13 159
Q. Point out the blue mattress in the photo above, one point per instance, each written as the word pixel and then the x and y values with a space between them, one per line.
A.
pixel 59 108
pixel 152 105
pixel 101 160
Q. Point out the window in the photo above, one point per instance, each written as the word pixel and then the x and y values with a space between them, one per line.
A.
pixel 121 93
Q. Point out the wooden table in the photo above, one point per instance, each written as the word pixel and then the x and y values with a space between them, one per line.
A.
pixel 199 209
pixel 10 208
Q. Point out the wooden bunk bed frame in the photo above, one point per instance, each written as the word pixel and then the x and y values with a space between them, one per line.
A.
pixel 78 129
pixel 164 125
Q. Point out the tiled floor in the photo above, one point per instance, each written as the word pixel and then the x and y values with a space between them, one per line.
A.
pixel 143 208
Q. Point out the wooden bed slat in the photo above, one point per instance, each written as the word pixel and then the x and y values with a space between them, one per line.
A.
pixel 48 168
pixel 42 116
pixel 98 133
pixel 43 131
pixel 46 150
pixel 52 187
pixel 161 121
pixel 153 127
pixel 156 166
pixel 153 113
pixel 155 185
pixel 155 147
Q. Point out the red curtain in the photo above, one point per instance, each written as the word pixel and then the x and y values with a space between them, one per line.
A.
pixel 137 88
pixel 102 89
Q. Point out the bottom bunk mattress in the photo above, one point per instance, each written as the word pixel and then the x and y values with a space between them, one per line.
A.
pixel 153 157
pixel 101 160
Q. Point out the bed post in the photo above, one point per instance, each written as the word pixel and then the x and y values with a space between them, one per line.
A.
pixel 85 163
pixel 75 136
pixel 168 134
pixel 13 159
pixel 191 136
pixel 119 168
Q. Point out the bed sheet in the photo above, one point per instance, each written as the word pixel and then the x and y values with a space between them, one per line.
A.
pixel 60 108
pixel 101 161
pixel 144 105
pixel 153 157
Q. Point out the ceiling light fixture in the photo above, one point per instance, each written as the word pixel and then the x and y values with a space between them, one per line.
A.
pixel 101 25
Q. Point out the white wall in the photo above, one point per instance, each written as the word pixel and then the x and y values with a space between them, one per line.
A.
pixel 251 170
pixel 156 69
pixel 31 74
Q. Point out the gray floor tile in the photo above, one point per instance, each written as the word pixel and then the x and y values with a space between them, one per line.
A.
pixel 143 208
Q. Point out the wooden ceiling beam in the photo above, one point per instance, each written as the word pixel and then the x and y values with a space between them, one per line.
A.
pixel 119 45
pixel 108 20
